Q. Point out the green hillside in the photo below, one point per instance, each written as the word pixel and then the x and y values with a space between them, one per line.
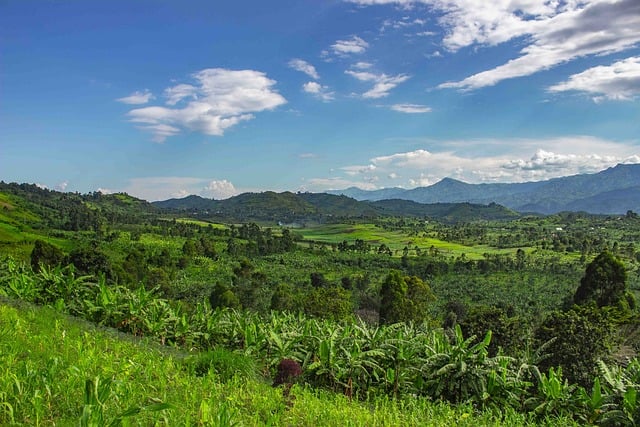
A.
pixel 77 374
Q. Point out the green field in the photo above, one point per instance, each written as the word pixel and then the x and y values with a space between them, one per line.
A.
pixel 395 240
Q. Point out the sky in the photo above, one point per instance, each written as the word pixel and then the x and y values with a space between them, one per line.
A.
pixel 163 99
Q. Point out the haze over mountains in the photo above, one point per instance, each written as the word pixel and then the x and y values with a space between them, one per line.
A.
pixel 612 191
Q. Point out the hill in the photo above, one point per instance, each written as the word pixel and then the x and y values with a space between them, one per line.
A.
pixel 612 191
pixel 288 207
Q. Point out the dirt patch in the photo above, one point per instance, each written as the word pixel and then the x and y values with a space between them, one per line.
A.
pixel 5 205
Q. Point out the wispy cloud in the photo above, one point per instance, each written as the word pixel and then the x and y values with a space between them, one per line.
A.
pixel 383 83
pixel 349 46
pixel 137 98
pixel 304 67
pixel 411 108
pixel 319 91
pixel 619 81
pixel 218 100
pixel 362 65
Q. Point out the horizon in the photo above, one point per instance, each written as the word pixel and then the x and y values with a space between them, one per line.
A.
pixel 330 191
pixel 166 100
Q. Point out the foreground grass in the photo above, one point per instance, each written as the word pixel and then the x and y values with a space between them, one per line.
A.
pixel 56 370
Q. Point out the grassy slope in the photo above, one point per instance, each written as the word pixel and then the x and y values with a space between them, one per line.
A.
pixel 46 360
pixel 396 240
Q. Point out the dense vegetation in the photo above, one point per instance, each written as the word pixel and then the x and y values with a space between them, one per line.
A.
pixel 533 315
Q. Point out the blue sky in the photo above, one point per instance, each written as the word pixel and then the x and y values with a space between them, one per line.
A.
pixel 163 99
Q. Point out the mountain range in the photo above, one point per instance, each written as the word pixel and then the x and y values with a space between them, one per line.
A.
pixel 612 191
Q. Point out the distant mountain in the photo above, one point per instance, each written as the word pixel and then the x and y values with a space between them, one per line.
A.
pixel 614 190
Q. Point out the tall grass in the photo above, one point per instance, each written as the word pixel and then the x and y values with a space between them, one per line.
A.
pixel 59 371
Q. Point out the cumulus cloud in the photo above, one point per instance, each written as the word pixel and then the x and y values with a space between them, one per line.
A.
pixel 552 32
pixel 411 108
pixel 62 186
pixel 383 83
pixel 304 67
pixel 354 45
pixel 319 91
pixel 619 81
pixel 218 100
pixel 137 98
pixel 219 189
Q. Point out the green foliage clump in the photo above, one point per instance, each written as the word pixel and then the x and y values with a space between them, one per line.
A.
pixel 45 253
pixel 604 282
pixel 576 339
pixel 404 299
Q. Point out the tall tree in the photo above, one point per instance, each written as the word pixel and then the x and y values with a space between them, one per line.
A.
pixel 404 299
pixel 604 282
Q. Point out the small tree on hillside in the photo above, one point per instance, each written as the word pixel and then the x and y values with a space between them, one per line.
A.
pixel 45 253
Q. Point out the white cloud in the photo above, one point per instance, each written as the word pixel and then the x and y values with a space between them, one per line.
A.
pixel 179 92
pixel 319 91
pixel 553 32
pixel 361 65
pixel 472 161
pixel 619 81
pixel 358 170
pixel 220 99
pixel 555 36
pixel 105 191
pixel 307 155
pixel 411 108
pixel 137 98
pixel 304 67
pixel 402 23
pixel 62 186
pixel 383 83
pixel 167 187
pixel 219 189
pixel 350 46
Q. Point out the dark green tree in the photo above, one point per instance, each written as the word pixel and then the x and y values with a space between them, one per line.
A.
pixel 580 337
pixel 223 296
pixel 285 298
pixel 508 332
pixel 604 282
pixel 45 253
pixel 404 299
pixel 330 303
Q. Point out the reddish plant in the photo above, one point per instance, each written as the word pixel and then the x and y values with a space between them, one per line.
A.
pixel 288 371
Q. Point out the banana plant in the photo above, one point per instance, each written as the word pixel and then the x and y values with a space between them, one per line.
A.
pixel 457 372
pixel 621 388
pixel 555 396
